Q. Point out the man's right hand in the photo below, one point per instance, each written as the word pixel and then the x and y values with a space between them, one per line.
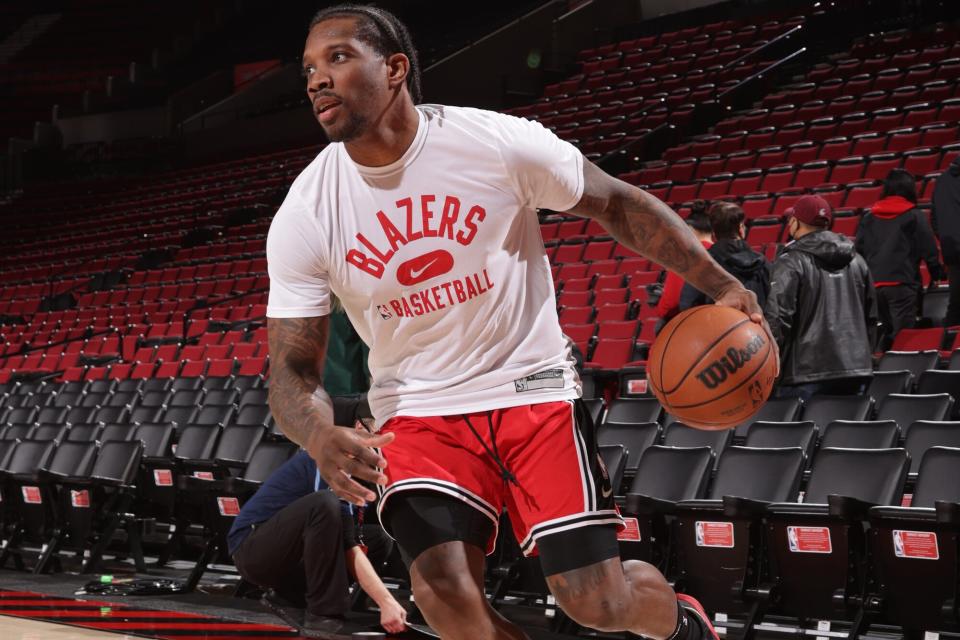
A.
pixel 343 454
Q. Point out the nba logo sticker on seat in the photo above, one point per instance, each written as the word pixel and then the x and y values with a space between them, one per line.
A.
pixel 714 534
pixel 630 531
pixel 80 499
pixel 809 540
pixel 163 477
pixel 917 545
pixel 228 506
pixel 31 495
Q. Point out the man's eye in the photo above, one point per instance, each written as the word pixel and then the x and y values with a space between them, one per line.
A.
pixel 339 56
pixel 307 71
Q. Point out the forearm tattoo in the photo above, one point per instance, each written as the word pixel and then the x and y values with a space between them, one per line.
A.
pixel 297 352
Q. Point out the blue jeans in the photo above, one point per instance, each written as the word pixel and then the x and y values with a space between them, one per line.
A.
pixel 835 387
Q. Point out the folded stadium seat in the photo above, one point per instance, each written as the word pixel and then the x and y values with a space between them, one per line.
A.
pixel 745 182
pixel 778 178
pixel 757 205
pixel 594 269
pixel 84 433
pixel 908 408
pixel 916 545
pixel 740 161
pixel 579 283
pixel 934 301
pixel 762 141
pixel 677 434
pixel 876 99
pixel 664 476
pixel 683 192
pixel 862 193
pixel 834 195
pixel 823 537
pixel 153 398
pixel 576 315
pixel 605 297
pixel 904 139
pixel 40 518
pixel 777 117
pixel 883 383
pixel 916 362
pixel 774 410
pixel 614 312
pixel 49 432
pixel 934 381
pixel 790 133
pixel 949 111
pixel 860 434
pixel 778 435
pixel 212 415
pixel 598 250
pixel 635 437
pixel 575 299
pixel 921 162
pixel 139 415
pixel 950 153
pixel 924 434
pixel 762 232
pixel 715 186
pixel 222 397
pixel 880 164
pixel 718 538
pixel 19 415
pixel 918 340
pixel 82 415
pixel 938 134
pixel 811 174
pixel 569 253
pixel 185 397
pixel 835 149
pixel 710 165
pixel 754 119
pixel 865 144
pixel 23 507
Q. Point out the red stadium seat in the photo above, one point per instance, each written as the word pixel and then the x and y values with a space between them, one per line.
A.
pixel 918 339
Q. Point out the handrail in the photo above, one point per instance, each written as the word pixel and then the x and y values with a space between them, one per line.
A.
pixel 782 36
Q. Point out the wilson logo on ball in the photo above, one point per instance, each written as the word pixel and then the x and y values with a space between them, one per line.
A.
pixel 719 370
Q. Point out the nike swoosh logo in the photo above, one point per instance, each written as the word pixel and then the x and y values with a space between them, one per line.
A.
pixel 416 273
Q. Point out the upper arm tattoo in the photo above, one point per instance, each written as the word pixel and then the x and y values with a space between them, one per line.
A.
pixel 297 352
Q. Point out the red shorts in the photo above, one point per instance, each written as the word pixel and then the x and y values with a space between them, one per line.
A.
pixel 560 483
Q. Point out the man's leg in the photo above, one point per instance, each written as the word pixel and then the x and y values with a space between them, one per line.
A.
pixel 953 304
pixel 902 301
pixel 443 539
pixel 299 553
pixel 613 596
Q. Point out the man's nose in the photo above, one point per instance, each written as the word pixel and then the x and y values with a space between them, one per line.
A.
pixel 318 81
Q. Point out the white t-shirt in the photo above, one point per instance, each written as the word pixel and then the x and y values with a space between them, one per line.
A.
pixel 438 261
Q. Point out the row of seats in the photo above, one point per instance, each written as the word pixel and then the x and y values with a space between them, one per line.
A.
pixel 764 538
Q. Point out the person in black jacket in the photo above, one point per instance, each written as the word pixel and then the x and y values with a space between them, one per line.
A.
pixel 893 237
pixel 946 224
pixel 821 307
pixel 733 254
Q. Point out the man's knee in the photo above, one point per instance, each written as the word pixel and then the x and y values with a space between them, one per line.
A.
pixel 323 505
pixel 442 580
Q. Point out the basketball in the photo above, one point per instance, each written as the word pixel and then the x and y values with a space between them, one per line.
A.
pixel 711 367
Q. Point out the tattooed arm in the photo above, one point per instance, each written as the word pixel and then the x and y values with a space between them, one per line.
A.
pixel 648 226
pixel 304 412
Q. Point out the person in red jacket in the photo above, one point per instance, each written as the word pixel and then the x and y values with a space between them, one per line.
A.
pixel 893 237
pixel 669 303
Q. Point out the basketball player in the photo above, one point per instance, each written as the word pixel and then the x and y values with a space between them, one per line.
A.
pixel 422 220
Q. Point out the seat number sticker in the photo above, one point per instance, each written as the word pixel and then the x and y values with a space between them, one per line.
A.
pixel 163 477
pixel 31 495
pixel 80 499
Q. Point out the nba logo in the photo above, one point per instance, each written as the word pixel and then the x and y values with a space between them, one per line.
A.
pixel 384 312
pixel 898 544
pixel 700 539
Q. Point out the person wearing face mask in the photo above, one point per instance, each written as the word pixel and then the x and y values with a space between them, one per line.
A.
pixel 821 307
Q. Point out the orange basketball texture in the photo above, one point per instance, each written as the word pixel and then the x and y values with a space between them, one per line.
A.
pixel 711 367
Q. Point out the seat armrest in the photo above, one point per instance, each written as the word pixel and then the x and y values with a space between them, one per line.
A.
pixel 947 512
pixel 690 506
pixel 915 514
pixel 848 508
pixel 797 508
pixel 241 486
pixel 639 503
pixel 737 507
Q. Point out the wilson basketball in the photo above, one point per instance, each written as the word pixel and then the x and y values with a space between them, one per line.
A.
pixel 712 367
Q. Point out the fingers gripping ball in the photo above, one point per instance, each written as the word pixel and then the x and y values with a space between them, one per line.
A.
pixel 711 367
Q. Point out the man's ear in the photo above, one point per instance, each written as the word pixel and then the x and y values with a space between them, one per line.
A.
pixel 398 68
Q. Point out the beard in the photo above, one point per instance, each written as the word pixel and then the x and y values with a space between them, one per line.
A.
pixel 352 125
